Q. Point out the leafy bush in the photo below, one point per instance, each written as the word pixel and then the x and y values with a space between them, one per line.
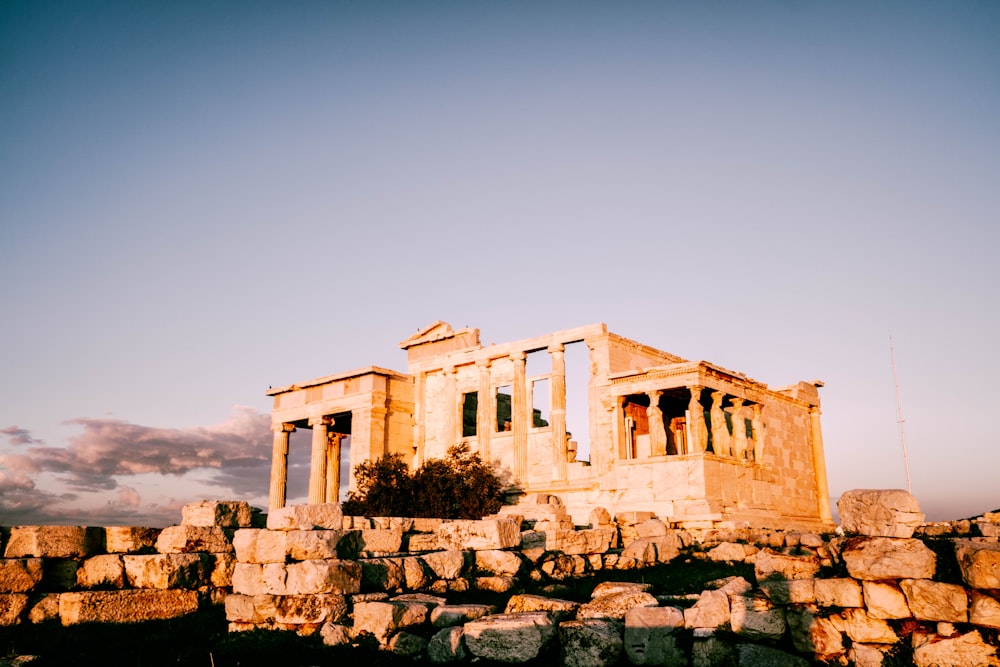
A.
pixel 460 486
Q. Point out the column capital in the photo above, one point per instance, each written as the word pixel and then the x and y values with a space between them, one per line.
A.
pixel 518 356
pixel 321 421
pixel 556 347
pixel 283 428
pixel 654 395
pixel 484 364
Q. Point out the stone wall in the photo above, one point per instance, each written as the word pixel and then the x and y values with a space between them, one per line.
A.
pixel 848 599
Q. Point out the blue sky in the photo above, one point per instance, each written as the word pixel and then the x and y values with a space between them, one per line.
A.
pixel 199 200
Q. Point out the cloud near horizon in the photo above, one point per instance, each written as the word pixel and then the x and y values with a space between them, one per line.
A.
pixel 109 451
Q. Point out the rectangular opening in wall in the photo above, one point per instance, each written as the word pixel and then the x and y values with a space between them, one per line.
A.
pixel 577 358
pixel 470 410
pixel 504 398
pixel 541 400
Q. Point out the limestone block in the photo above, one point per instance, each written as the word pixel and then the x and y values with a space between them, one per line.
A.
pixel 12 606
pixel 562 566
pixel 879 513
pixel 599 518
pixel 494 584
pixel 401 523
pixel 322 544
pixel 596 541
pixel 222 570
pixel 166 570
pixel 615 605
pixel 299 609
pixel 383 574
pixel 968 650
pixel 811 633
pixel 558 609
pixel 935 601
pixel 731 586
pixel 980 563
pixel 769 565
pixel 342 577
pixel 446 616
pixel 753 617
pixel 811 540
pixel 861 627
pixel 498 562
pixel 632 518
pixel 445 564
pixel 130 539
pixel 248 608
pixel 885 600
pixel 221 513
pixel 256 545
pixel 710 611
pixel 613 587
pixel 194 539
pixel 381 540
pixel 324 516
pixel 45 609
pixel 756 655
pixel 984 610
pixel 479 535
pixel 880 558
pixel 790 591
pixel 446 646
pixel 838 593
pixel 334 634
pixel 426 525
pixel 651 528
pixel 19 575
pixel 564 523
pixel 509 637
pixel 731 551
pixel 590 643
pixel 103 571
pixel 867 655
pixel 651 635
pixel 640 550
pixel 407 644
pixel 420 542
pixel 53 541
pixel 416 573
pixel 383 619
pixel 125 606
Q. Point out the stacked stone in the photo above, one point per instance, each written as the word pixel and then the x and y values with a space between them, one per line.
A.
pixel 119 574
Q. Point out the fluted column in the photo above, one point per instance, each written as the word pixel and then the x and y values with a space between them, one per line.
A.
pixel 698 441
pixel 279 465
pixel 333 469
pixel 739 429
pixel 657 431
pixel 485 412
pixel 452 426
pixel 757 425
pixel 819 465
pixel 560 456
pixel 317 465
pixel 519 418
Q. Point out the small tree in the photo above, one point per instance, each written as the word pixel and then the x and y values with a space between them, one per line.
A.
pixel 460 486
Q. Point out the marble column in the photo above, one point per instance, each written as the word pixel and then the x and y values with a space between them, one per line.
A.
pixel 657 432
pixel 519 415
pixel 819 466
pixel 279 465
pixel 721 442
pixel 618 436
pixel 317 465
pixel 453 408
pixel 739 429
pixel 757 425
pixel 698 440
pixel 333 469
pixel 485 412
pixel 560 456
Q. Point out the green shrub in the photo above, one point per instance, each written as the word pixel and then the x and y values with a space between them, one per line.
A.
pixel 460 486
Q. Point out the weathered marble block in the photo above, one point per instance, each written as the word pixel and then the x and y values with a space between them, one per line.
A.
pixel 880 558
pixel 479 535
pixel 130 539
pixel 980 563
pixel 383 619
pixel 615 605
pixel 164 571
pixel 104 570
pixel 590 642
pixel 125 606
pixel 509 637
pixel 651 635
pixel 327 516
pixel 885 600
pixel 194 539
pixel 19 575
pixel 221 513
pixel 12 606
pixel 936 601
pixel 558 609
pixel 838 593
pixel 54 541
pixel 879 512
pixel 769 565
pixel 381 540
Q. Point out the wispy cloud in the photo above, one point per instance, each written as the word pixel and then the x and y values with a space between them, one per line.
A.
pixel 108 452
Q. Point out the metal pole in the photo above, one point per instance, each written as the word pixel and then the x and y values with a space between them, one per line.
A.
pixel 899 416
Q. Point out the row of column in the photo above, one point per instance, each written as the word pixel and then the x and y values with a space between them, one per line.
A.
pixel 324 465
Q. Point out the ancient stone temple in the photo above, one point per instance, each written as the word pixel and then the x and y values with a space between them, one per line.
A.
pixel 692 442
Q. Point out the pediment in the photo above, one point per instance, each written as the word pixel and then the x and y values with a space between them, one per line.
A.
pixel 432 332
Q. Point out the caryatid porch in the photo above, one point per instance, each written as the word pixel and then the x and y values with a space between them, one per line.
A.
pixel 363 407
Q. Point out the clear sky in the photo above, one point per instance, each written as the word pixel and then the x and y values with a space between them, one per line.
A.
pixel 199 200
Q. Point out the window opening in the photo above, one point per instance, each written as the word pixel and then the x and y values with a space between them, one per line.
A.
pixel 504 398
pixel 470 411
pixel 541 399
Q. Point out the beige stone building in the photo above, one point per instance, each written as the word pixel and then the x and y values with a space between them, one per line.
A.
pixel 694 443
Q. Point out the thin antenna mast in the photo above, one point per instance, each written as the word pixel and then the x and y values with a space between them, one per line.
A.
pixel 899 415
